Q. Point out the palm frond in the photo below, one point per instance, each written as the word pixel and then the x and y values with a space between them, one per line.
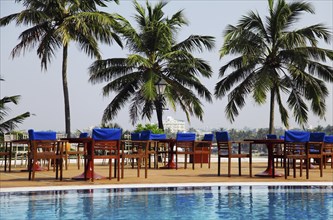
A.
pixel 13 123
pixel 283 111
pixel 196 42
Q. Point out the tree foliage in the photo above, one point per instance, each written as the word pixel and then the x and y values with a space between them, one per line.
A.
pixel 53 24
pixel 154 55
pixel 274 57
pixel 9 124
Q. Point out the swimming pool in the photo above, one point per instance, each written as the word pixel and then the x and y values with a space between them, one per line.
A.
pixel 185 202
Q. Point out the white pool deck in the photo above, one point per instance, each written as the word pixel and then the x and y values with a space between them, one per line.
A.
pixel 164 185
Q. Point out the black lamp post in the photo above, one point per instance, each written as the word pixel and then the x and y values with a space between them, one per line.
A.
pixel 160 86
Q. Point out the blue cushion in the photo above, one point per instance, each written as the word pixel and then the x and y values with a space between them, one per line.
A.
pixel 106 134
pixel 84 135
pixel 42 135
pixel 222 136
pixel 158 136
pixel 145 135
pixel 208 137
pixel 185 137
pixel 281 137
pixel 297 136
pixel 328 139
pixel 135 136
pixel 271 136
pixel 317 136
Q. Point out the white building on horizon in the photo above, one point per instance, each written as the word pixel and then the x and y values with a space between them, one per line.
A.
pixel 174 125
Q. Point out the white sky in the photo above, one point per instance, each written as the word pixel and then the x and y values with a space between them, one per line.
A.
pixel 42 91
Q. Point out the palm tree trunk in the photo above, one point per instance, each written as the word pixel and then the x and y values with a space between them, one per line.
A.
pixel 271 116
pixel 65 89
pixel 159 113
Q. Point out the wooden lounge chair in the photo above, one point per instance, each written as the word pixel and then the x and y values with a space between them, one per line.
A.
pixel 226 150
pixel 107 140
pixel 185 146
pixel 45 147
pixel 136 151
pixel 298 147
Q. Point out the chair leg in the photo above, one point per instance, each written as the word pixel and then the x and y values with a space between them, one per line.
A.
pixel 122 166
pixel 294 168
pixel 321 167
pixel 218 165
pixel 273 168
pixel 301 168
pixel 29 168
pixel 239 167
pixel 307 168
pixel 250 166
pixel 176 160
pixel 139 167
pixel 110 169
pixel 229 167
pixel 185 157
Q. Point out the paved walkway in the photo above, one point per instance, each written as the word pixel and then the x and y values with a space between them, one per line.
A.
pixel 17 178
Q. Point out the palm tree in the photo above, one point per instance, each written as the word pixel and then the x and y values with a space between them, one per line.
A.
pixel 7 125
pixel 155 56
pixel 273 56
pixel 55 23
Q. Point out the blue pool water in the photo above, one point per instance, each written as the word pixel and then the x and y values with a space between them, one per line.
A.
pixel 216 202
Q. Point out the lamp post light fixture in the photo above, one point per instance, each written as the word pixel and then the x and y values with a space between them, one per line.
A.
pixel 160 86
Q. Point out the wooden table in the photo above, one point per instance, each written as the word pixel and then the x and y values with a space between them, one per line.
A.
pixel 270 146
pixel 88 161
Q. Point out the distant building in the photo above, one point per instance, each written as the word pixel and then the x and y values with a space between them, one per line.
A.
pixel 174 125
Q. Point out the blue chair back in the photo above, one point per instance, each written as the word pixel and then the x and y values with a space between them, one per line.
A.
pixel 281 137
pixel 84 135
pixel 42 135
pixel 222 136
pixel 329 139
pixel 158 136
pixel 185 137
pixel 208 137
pixel 271 136
pixel 106 134
pixel 317 136
pixel 145 135
pixel 296 136
pixel 135 136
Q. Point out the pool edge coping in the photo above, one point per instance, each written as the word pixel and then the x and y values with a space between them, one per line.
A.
pixel 160 185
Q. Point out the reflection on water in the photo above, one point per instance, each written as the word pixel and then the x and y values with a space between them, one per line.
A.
pixel 224 202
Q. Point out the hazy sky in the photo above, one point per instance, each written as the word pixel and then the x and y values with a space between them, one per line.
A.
pixel 42 94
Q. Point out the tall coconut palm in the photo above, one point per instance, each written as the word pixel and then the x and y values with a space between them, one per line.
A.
pixel 155 55
pixel 6 125
pixel 273 56
pixel 54 24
